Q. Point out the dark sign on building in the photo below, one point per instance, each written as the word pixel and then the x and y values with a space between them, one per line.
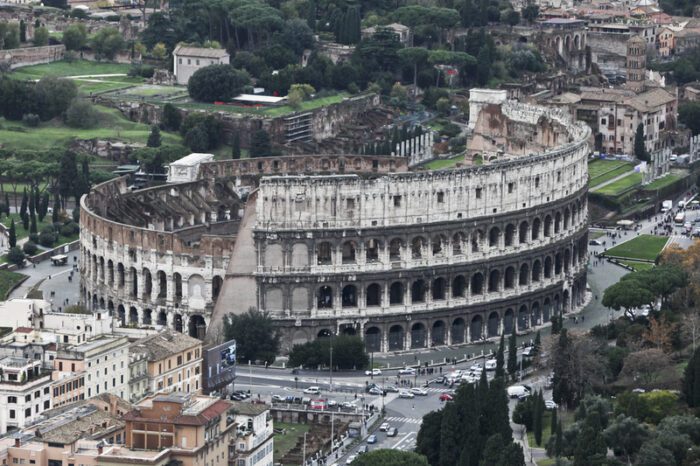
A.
pixel 219 367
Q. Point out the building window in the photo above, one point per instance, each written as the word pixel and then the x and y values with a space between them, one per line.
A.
pixel 197 62
pixel 478 193
pixel 397 201
pixel 189 61
pixel 12 414
pixel 28 412
pixel 179 60
pixel 46 404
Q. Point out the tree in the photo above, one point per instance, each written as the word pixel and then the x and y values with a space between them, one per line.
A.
pixel 689 115
pixel 691 379
pixel 43 206
pixel 260 145
pixel 653 454
pixel 387 457
pixel 41 37
pixel 197 140
pixel 29 248
pixel 236 146
pixel 154 138
pixel 107 43
pixel 172 119
pixel 81 114
pixel 500 372
pixel 13 234
pixel 159 51
pixel 627 434
pixel 531 12
pixel 512 353
pixel 255 335
pixel 22 31
pixel 75 36
pixel 538 417
pixel 649 368
pixel 627 295
pixel 9 35
pixel 53 96
pixel 450 433
pixel 217 83
pixel 56 209
pixel 659 333
pixel 32 225
pixel 510 17
pixel 640 150
pixel 414 56
pixel 428 439
pixel 16 256
pixel 23 208
pixel 298 93
pixel 348 353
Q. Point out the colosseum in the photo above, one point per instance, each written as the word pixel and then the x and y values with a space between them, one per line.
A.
pixel 362 245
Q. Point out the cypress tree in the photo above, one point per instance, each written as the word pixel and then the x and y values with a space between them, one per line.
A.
pixel 23 206
pixel 558 441
pixel 32 226
pixel 537 417
pixel 538 342
pixel 56 209
pixel 236 146
pixel 13 234
pixel 450 441
pixel 25 222
pixel 7 204
pixel 512 353
pixel 43 206
pixel 553 426
pixel 691 380
pixel 22 31
pixel 500 361
pixel 154 139
pixel 32 202
pixel 311 15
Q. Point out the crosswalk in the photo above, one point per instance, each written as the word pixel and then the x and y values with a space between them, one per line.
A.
pixel 404 420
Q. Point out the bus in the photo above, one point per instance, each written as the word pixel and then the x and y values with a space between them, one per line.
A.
pixel 679 219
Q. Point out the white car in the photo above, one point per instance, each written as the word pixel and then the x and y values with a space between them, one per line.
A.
pixel 491 365
pixel 529 351
pixel 406 394
pixel 350 459
pixel 384 427
pixel 373 372
pixel 550 404
pixel 407 371
pixel 419 391
pixel 312 390
pixel 277 399
pixel 475 367
pixel 332 403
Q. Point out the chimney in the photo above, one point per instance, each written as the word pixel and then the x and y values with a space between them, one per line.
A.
pixel 18 442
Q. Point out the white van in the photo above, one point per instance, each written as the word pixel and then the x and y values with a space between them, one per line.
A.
pixel 516 391
pixel 490 365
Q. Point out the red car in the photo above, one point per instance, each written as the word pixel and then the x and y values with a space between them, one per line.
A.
pixel 446 397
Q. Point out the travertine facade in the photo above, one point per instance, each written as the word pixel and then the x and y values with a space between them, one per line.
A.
pixel 360 245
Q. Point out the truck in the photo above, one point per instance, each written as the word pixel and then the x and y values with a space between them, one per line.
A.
pixel 518 391
pixel 679 219
pixel 666 206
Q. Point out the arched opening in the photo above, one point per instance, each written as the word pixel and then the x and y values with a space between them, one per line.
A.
pixel 110 273
pixel 325 297
pixel 567 260
pixel 348 331
pixel 120 275
pixel 494 237
pixel 216 283
pixel 133 316
pixel 567 217
pixel 373 339
pixel 475 328
pixel 437 335
pixel 396 338
pixel 395 250
pixel 102 303
pixel 134 282
pixel 417 246
pixel 522 318
pixel 547 267
pixel 548 226
pixel 536 315
pixel 459 284
pixel 349 252
pixel 177 322
pixel 439 243
pixel 349 296
pixel 477 283
pixel 372 250
pixel 547 310
pixel 557 222
pixel 536 270
pixel 536 225
pixel 494 281
pixel 374 296
pixel 110 307
pixel 522 233
pixel 177 278
pixel 524 275
pixel 418 335
pixel 162 284
pixel 457 331
pixel 508 321
pixel 509 278
pixel 324 254
pixel 121 315
pixel 162 318
pixel 477 239
pixel 396 293
pixel 197 327
pixel 457 243
pixel 418 291
pixel 492 326
pixel 557 264
pixel 566 301
pixel 438 289
pixel 147 317
pixel 94 301
pixel 147 284
pixel 510 235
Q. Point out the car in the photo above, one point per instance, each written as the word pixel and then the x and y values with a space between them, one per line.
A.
pixel 407 371
pixel 419 391
pixel 406 394
pixel 392 432
pixel 373 372
pixel 347 405
pixel 491 365
pixel 332 403
pixel 318 405
pixel 384 427
pixel 391 389
pixel 313 390
pixel 362 449
pixel 446 397
pixel 515 391
pixel 350 459
pixel 476 367
pixel 277 399
pixel 550 404
pixel 529 351
pixel 372 439
pixel 594 242
pixel 376 391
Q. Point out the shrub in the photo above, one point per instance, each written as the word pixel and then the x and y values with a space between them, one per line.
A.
pixel 31 120
pixel 66 230
pixel 16 256
pixel 30 248
pixel 171 117
pixel 144 71
pixel 34 237
pixel 47 237
pixel 217 82
pixel 81 114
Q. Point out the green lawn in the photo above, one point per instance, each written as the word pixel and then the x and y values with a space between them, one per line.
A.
pixel 607 176
pixel 19 228
pixel 269 111
pixel 643 247
pixel 285 442
pixel 621 185
pixel 52 134
pixel 638 266
pixel 444 163
pixel 8 280
pixel 64 68
pixel 599 167
pixel 662 182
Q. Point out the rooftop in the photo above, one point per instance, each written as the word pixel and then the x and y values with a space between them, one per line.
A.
pixel 199 52
pixel 249 409
pixel 196 410
pixel 163 345
pixel 193 159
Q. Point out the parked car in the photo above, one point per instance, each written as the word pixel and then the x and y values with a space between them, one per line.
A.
pixel 332 403
pixel 515 391
pixel 277 399
pixel 529 352
pixel 373 372
pixel 407 371
pixel 362 449
pixel 350 459
pixel 476 367
pixel 491 365
pixel 419 391
pixel 372 439
pixel 594 242
pixel 550 404
pixel 376 391
pixel 391 389
pixel 384 427
pixel 406 394
pixel 392 432
pixel 313 390
pixel 446 397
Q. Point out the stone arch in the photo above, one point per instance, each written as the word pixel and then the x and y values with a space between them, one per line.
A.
pixel 395 246
pixel 372 248
pixel 524 275
pixel 417 247
pixel 396 293
pixel 397 336
pixel 458 243
pixel 523 318
pixel 577 42
pixel 547 226
pixel 457 331
pixel 133 316
pixel 110 272
pixel 349 252
pixel 349 296
pixel 94 301
pixel 274 256
pixel 324 297
pixel 557 222
pixel 509 278
pixel 459 285
pixel 567 42
pixel 418 335
pixel 477 240
pixel 102 303
pixel 566 301
pixel 121 275
pixel 546 310
pixel 438 333
pixel 557 264
pixel 567 259
pixel 299 337
pixel 508 321
pixel 177 322
pixel 439 244
pixel 162 318
pixel 438 289
pixel 121 315
pixel 536 225
pixel 509 237
pixel 494 237
pixel 373 339
pixel 493 324
pixel 494 281
pixel 567 218
pixel 348 330
pixel 197 327
pixel 324 253
pixel 559 45
pixel 418 289
pixel 300 299
pixel 476 328
pixel 274 300
pixel 300 255
pixel 374 295
pixel 523 230
pixel 196 291
pixel 177 279
pixel 536 270
pixel 147 316
pixel 162 284
pixel 548 267
pixel 536 314
pixel 216 283
pixel 477 284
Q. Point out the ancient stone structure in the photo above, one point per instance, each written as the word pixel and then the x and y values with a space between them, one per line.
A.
pixel 27 56
pixel 565 41
pixel 636 63
pixel 351 244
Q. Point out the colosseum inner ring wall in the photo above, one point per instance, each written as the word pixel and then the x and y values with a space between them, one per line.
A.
pixel 354 244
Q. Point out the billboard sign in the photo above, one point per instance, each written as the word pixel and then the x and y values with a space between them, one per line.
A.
pixel 219 367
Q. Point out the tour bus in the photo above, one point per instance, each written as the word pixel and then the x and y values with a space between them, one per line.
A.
pixel 679 219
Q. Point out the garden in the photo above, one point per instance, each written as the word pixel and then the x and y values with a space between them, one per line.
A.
pixel 620 186
pixel 601 171
pixel 642 248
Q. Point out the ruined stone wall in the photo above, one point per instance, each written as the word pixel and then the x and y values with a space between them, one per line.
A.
pixel 32 55
pixel 608 51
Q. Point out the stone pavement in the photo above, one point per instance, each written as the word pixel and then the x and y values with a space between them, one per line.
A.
pixel 50 278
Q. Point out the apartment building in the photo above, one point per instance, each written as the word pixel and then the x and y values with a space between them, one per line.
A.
pixel 25 392
pixel 254 443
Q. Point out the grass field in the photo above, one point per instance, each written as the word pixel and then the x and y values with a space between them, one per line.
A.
pixel 269 111
pixel 662 182
pixel 19 228
pixel 52 134
pixel 643 247
pixel 607 176
pixel 7 281
pixel 64 68
pixel 621 185
pixel 444 163
pixel 599 167
pixel 638 266
pixel 287 441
